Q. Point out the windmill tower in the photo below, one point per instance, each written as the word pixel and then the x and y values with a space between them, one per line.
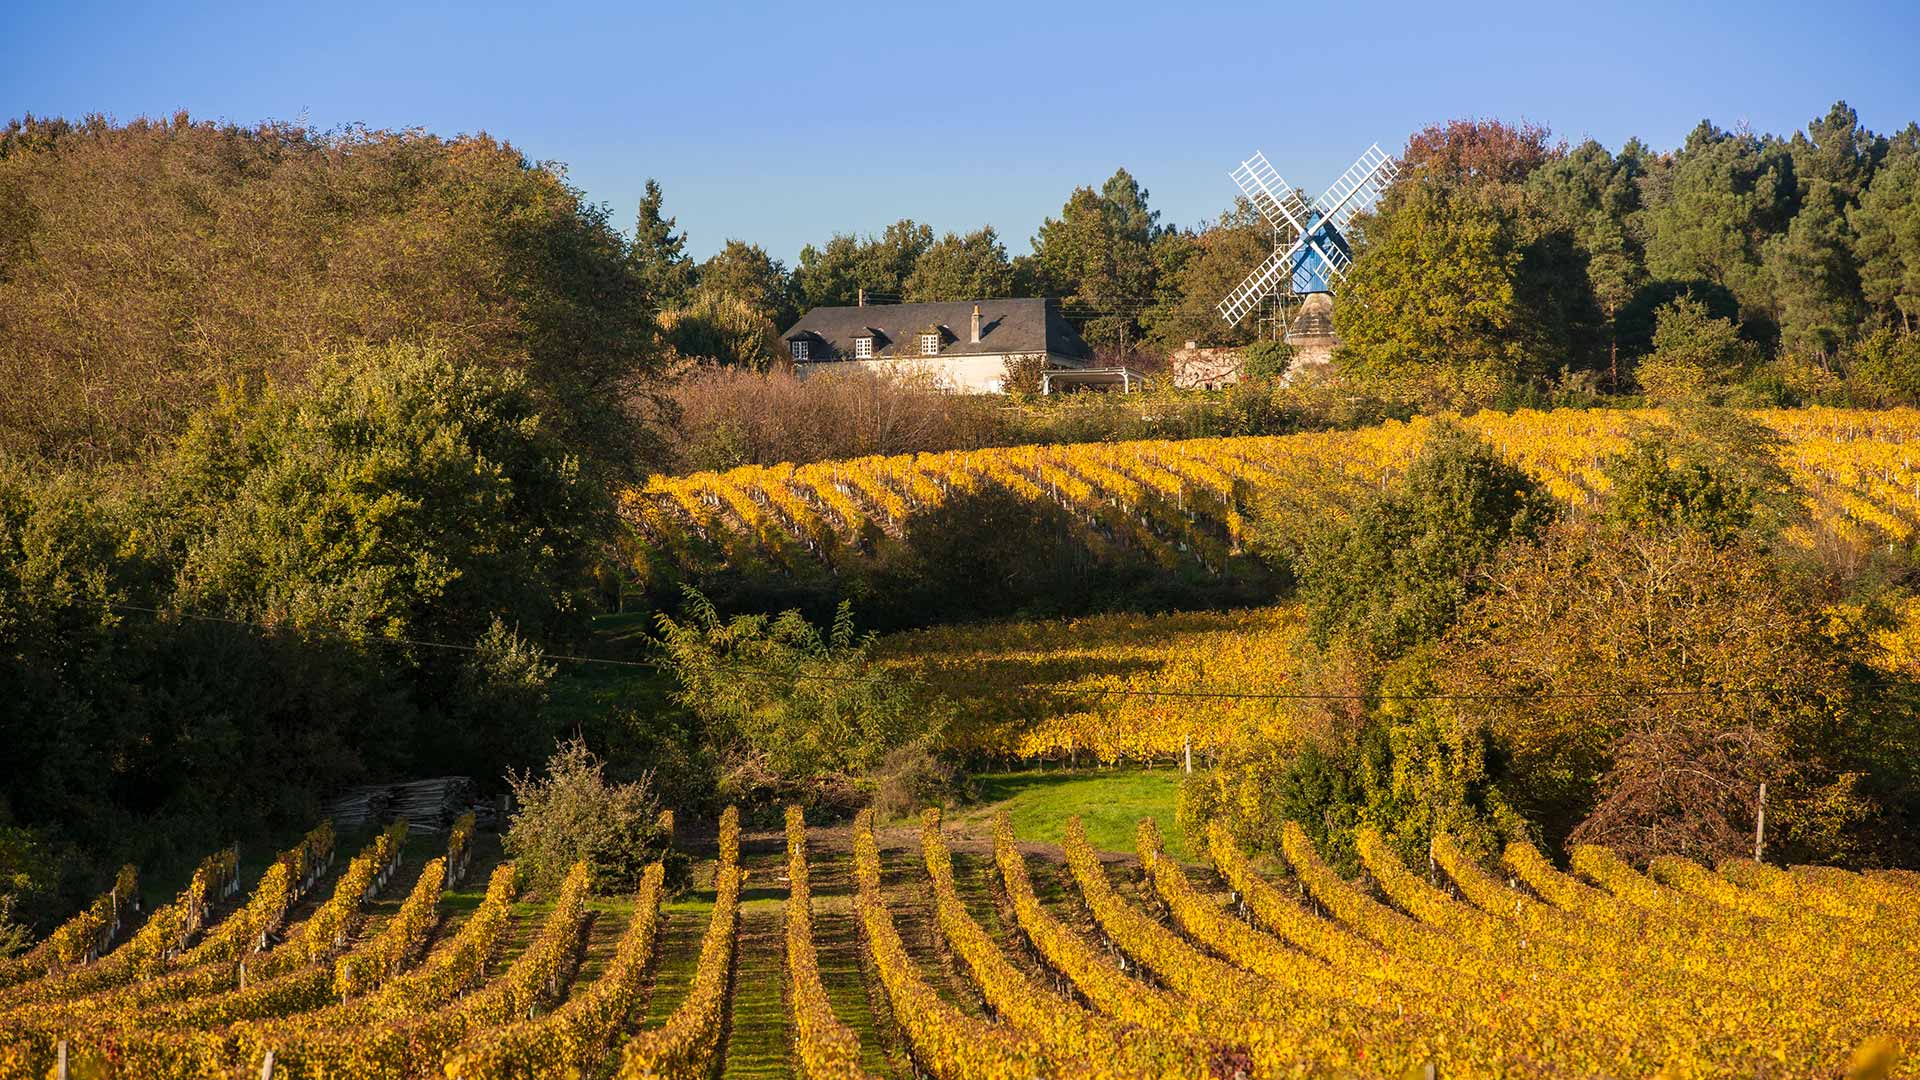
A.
pixel 1310 254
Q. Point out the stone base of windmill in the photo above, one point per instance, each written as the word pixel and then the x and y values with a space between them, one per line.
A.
pixel 1313 340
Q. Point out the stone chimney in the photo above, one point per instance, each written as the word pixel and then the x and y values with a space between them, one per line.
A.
pixel 975 337
pixel 863 297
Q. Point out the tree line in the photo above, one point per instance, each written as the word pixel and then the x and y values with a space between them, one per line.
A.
pixel 1740 267
pixel 1099 256
pixel 144 265
pixel 1787 268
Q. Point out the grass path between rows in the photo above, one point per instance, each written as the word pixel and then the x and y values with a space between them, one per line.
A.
pixel 758 1039
pixel 844 970
pixel 1111 802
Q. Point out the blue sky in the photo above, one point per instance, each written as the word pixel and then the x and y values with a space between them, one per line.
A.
pixel 784 124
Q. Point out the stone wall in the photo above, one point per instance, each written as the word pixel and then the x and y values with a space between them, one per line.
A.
pixel 1204 369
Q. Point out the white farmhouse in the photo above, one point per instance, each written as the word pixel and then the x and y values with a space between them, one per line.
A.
pixel 964 346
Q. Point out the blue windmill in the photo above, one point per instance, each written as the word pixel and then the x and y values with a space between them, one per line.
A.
pixel 1310 244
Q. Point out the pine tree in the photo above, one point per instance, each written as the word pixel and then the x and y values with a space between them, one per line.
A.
pixel 1887 234
pixel 1709 216
pixel 1814 275
pixel 1836 149
pixel 1097 257
pixel 659 254
pixel 1126 205
pixel 1614 273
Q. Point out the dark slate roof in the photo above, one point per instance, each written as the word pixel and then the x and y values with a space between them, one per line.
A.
pixel 1006 326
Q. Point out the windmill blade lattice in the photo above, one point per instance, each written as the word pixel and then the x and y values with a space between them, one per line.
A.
pixel 1363 182
pixel 1276 200
pixel 1314 255
pixel 1271 276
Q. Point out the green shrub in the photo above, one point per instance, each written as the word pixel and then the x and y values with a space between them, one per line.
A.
pixel 204 651
pixel 914 777
pixel 789 702
pixel 1408 777
pixel 715 327
pixel 1396 572
pixel 1712 471
pixel 495 709
pixel 1697 359
pixel 404 494
pixel 1406 768
pixel 1884 367
pixel 1265 361
pixel 32 873
pixel 573 812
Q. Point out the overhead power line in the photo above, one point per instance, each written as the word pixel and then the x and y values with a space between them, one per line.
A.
pixel 979 687
pixel 381 639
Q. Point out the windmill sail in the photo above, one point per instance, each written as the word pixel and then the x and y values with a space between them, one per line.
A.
pixel 1274 275
pixel 1357 188
pixel 1315 256
pixel 1278 202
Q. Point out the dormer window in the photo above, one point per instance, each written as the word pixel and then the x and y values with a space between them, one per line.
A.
pixel 930 344
pixel 863 347
pixel 799 346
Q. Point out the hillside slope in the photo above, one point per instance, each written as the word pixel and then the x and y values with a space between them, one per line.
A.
pixel 1182 504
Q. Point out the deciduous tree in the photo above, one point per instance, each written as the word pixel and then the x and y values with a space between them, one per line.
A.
pixel 745 272
pixel 1478 151
pixel 1433 291
pixel 144 266
pixel 835 275
pixel 1610 666
pixel 970 267
pixel 406 495
pixel 1196 271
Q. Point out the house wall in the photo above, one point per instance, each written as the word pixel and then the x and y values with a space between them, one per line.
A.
pixel 981 374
